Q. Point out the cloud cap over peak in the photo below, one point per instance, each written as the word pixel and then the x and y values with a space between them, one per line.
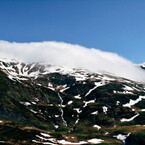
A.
pixel 73 56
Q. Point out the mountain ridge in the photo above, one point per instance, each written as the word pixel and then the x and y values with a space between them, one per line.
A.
pixel 34 69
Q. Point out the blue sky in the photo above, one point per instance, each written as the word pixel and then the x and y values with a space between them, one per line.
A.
pixel 110 25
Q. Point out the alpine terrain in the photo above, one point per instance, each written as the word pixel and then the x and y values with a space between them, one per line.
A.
pixel 45 104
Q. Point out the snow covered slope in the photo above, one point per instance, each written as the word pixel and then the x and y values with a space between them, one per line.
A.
pixel 59 105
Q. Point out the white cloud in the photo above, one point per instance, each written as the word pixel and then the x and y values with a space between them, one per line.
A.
pixel 64 54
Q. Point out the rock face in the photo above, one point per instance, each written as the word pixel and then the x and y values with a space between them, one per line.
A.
pixel 45 104
pixel 142 65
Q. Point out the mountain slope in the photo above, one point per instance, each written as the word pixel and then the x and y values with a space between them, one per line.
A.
pixel 45 104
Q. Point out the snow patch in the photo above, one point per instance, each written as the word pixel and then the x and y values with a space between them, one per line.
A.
pixel 45 135
pixel 95 140
pixel 121 137
pixel 77 97
pixel 88 102
pixel 70 102
pixel 98 84
pixel 127 88
pixel 97 126
pixel 33 111
pixel 26 103
pixel 117 102
pixel 43 142
pixel 67 142
pixel 133 102
pixel 105 109
pixel 130 119
pixel 64 122
pixel 90 91
pixel 78 110
pixel 94 113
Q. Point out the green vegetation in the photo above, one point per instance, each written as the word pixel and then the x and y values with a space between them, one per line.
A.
pixel 136 139
pixel 38 107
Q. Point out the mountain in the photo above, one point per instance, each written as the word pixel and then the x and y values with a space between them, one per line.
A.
pixel 46 104
pixel 142 65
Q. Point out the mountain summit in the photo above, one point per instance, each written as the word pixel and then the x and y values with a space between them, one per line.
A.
pixel 71 56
